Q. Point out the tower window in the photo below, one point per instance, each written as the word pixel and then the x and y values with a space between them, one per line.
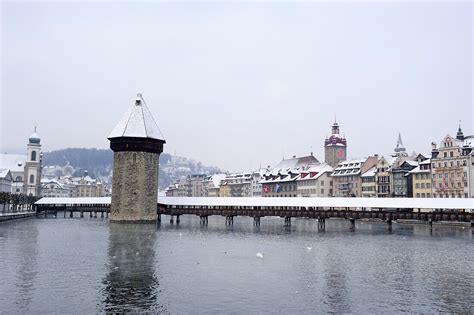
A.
pixel 32 179
pixel 33 155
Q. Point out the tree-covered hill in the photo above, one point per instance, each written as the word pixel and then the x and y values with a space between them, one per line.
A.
pixel 98 163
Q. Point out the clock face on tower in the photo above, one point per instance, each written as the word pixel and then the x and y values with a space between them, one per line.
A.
pixel 340 153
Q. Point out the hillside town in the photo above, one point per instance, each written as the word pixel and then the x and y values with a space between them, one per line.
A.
pixel 445 172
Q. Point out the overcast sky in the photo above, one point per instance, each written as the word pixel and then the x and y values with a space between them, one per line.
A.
pixel 237 85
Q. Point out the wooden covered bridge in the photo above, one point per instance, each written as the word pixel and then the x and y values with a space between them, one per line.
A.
pixel 386 209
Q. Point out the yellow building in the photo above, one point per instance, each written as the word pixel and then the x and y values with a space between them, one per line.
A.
pixel 224 189
pixel 421 180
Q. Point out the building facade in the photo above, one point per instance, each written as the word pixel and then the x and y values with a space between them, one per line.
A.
pixel 421 180
pixel 368 183
pixel 315 181
pixel 452 167
pixel 347 181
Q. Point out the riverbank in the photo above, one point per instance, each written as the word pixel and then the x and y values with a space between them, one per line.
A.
pixel 16 216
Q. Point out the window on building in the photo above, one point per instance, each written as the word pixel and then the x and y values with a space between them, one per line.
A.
pixel 33 155
pixel 445 154
pixel 417 195
pixel 464 163
pixel 450 153
pixel 422 195
pixel 32 179
pixel 445 164
pixel 428 195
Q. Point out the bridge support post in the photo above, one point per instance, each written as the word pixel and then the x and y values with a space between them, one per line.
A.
pixel 102 214
pixel 71 214
pixel 82 214
pixel 321 224
pixel 64 213
pixel 256 221
pixel 95 214
pixel 107 214
pixel 171 219
pixel 203 219
pixel 353 224
pixel 177 219
pixel 90 214
pixel 389 224
pixel 287 221
pixel 158 219
pixel 229 220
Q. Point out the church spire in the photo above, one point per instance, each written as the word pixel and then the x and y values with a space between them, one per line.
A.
pixel 400 148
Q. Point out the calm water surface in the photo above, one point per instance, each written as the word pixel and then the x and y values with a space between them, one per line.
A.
pixel 93 266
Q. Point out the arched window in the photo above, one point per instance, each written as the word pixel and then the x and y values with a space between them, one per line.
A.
pixel 32 179
pixel 33 155
pixel 18 179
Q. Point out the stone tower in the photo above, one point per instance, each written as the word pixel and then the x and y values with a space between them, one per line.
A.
pixel 32 179
pixel 335 147
pixel 137 143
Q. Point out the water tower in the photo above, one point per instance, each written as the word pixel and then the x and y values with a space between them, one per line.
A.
pixel 137 143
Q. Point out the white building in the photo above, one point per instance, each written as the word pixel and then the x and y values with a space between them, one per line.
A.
pixel 6 180
pixel 316 181
pixel 25 169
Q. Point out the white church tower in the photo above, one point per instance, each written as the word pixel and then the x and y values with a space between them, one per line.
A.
pixel 32 180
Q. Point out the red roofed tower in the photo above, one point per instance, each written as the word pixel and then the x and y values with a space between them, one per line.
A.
pixel 335 147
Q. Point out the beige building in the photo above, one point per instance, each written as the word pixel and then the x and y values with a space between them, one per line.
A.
pixel 368 183
pixel 316 181
pixel 452 167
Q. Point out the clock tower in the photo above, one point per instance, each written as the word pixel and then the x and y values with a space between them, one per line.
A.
pixel 335 147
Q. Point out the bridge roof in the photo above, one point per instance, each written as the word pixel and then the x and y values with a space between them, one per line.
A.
pixel 402 203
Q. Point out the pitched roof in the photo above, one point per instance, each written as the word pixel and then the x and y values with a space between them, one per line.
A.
pixel 13 162
pixel 296 162
pixel 137 122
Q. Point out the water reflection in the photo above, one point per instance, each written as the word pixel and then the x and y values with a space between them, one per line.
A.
pixel 131 284
pixel 27 266
pixel 336 294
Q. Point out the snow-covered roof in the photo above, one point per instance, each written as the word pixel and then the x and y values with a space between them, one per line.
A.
pixel 13 162
pixel 418 170
pixel 216 179
pixel 296 162
pixel 317 170
pixel 4 173
pixel 74 201
pixel 427 161
pixel 429 203
pixel 137 122
pixel 343 202
pixel 370 173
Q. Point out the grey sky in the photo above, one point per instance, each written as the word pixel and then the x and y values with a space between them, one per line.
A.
pixel 235 85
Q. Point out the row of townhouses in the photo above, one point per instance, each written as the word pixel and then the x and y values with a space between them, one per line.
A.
pixel 446 172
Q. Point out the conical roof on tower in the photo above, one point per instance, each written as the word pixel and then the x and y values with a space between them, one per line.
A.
pixel 137 122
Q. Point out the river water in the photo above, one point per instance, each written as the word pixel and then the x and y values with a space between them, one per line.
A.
pixel 92 266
